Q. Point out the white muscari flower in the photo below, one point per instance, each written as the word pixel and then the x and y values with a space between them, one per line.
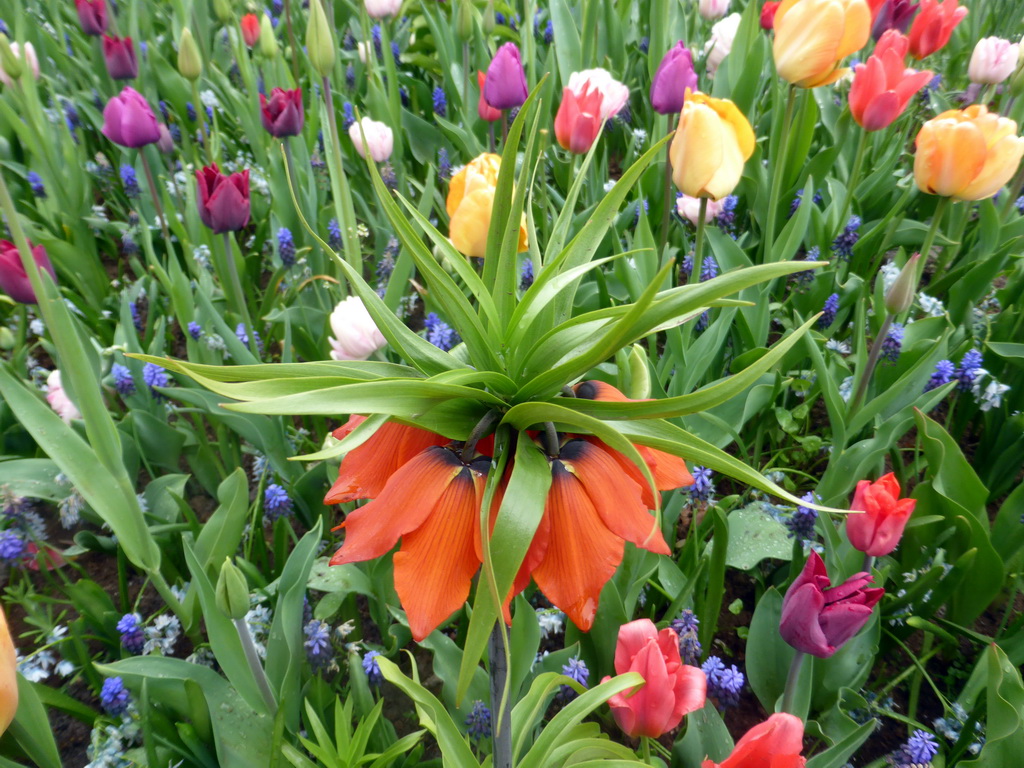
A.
pixel 837 346
pixel 639 136
pixel 209 98
pixel 552 621
pixel 931 306
pixel 608 185
pixel 162 634
pixel 846 389
pixel 889 272
pixel 992 396
pixel 180 593
pixel 65 668
pixel 37 327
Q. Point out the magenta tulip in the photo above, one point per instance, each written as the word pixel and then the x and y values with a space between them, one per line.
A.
pixel 818 618
pixel 13 278
pixel 223 200
pixel 674 76
pixel 282 114
pixel 119 54
pixel 129 121
pixel 92 15
pixel 671 689
pixel 505 86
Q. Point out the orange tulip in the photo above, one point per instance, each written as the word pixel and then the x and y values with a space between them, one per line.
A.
pixel 469 205
pixel 775 743
pixel 713 141
pixel 813 36
pixel 967 154
pixel 883 86
pixel 8 676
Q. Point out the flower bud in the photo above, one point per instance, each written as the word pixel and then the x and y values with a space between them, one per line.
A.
pixel 222 10
pixel 464 25
pixel 190 62
pixel 319 42
pixel 6 338
pixel 232 591
pixel 268 41
pixel 639 374
pixel 489 19
pixel 900 295
pixel 10 62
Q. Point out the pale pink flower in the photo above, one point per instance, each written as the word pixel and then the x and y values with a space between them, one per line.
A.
pixel 379 139
pixel 59 400
pixel 355 334
pixel 689 208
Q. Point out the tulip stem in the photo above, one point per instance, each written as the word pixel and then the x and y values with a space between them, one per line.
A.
pixel 239 295
pixel 778 171
pixel 502 730
pixel 645 747
pixel 200 114
pixel 929 238
pixel 869 367
pixel 854 179
pixel 666 206
pixel 156 198
pixel 698 245
pixel 291 41
pixel 869 563
pixel 253 659
pixel 792 680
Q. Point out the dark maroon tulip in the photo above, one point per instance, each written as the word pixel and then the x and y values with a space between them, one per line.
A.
pixel 818 618
pixel 675 74
pixel 92 15
pixel 282 114
pixel 223 200
pixel 119 53
pixel 13 278
pixel 893 14
pixel 128 120
pixel 505 86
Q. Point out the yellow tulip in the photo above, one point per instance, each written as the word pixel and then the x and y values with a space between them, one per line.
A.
pixel 813 36
pixel 967 154
pixel 8 676
pixel 711 144
pixel 469 204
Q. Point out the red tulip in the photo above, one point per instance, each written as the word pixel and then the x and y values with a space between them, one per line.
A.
pixel 250 29
pixel 768 14
pixel 92 15
pixel 485 110
pixel 671 689
pixel 775 743
pixel 933 27
pixel 119 55
pixel 878 516
pixel 13 278
pixel 223 200
pixel 883 86
pixel 282 115
pixel 578 121
pixel 818 618
pixel 129 121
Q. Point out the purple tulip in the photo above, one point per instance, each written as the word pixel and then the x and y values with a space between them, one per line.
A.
pixel 13 278
pixel 893 14
pixel 223 200
pixel 92 15
pixel 119 54
pixel 818 618
pixel 505 86
pixel 128 120
pixel 674 76
pixel 282 114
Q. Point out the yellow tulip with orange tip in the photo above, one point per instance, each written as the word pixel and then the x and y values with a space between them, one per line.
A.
pixel 813 36
pixel 713 141
pixel 8 676
pixel 967 154
pixel 469 204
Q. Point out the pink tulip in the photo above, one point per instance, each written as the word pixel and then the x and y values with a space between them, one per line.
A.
pixel 993 60
pixel 878 516
pixel 689 208
pixel 671 688
pixel 614 94
pixel 13 278
pixel 129 121
pixel 92 15
pixel 355 334
pixel 26 54
pixel 883 86
pixel 59 400
pixel 379 139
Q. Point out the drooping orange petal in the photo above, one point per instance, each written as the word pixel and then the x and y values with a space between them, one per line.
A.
pixel 365 470
pixel 669 471
pixel 402 507
pixel 435 566
pixel 582 554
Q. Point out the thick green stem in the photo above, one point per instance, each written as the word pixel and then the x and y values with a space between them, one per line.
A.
pixel 929 237
pixel 792 681
pixel 778 170
pixel 253 659
pixel 667 201
pixel 869 367
pixel 502 712
pixel 698 243
pixel 645 747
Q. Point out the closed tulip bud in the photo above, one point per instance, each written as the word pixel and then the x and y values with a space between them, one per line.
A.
pixel 379 139
pixel 719 44
pixel 878 515
pixel 890 14
pixel 232 592
pixel 92 15
pixel 282 114
pixel 319 41
pixel 967 154
pixel 13 277
pixel 485 110
pixel 711 144
pixel 129 121
pixel 268 40
pixel 223 200
pixel 813 36
pixel 190 62
pixel 674 76
pixel 464 22
pixel 356 335
pixel 8 676
pixel 993 60
pixel 818 618
pixel 469 204
pixel 639 374
pixel 712 9
pixel 489 21
pixel 506 81
pixel 119 55
pixel 250 25
pixel 777 742
pixel 934 25
pixel 768 14
pixel 882 87
pixel 222 10
pixel 378 9
pixel 671 689
pixel 900 296
pixel 7 341
pixel 11 65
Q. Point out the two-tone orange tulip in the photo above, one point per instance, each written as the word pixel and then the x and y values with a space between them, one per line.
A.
pixel 882 87
pixel 713 141
pixel 813 36
pixel 469 205
pixel 967 154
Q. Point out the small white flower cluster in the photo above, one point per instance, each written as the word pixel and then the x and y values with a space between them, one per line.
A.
pixel 257 620
pixel 988 392
pixel 837 346
pixel 39 665
pixel 552 621
pixel 931 307
pixel 889 272
pixel 162 635
pixel 846 389
pixel 109 743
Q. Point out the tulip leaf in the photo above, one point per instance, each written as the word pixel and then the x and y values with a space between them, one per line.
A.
pixel 1004 743
pixel 360 370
